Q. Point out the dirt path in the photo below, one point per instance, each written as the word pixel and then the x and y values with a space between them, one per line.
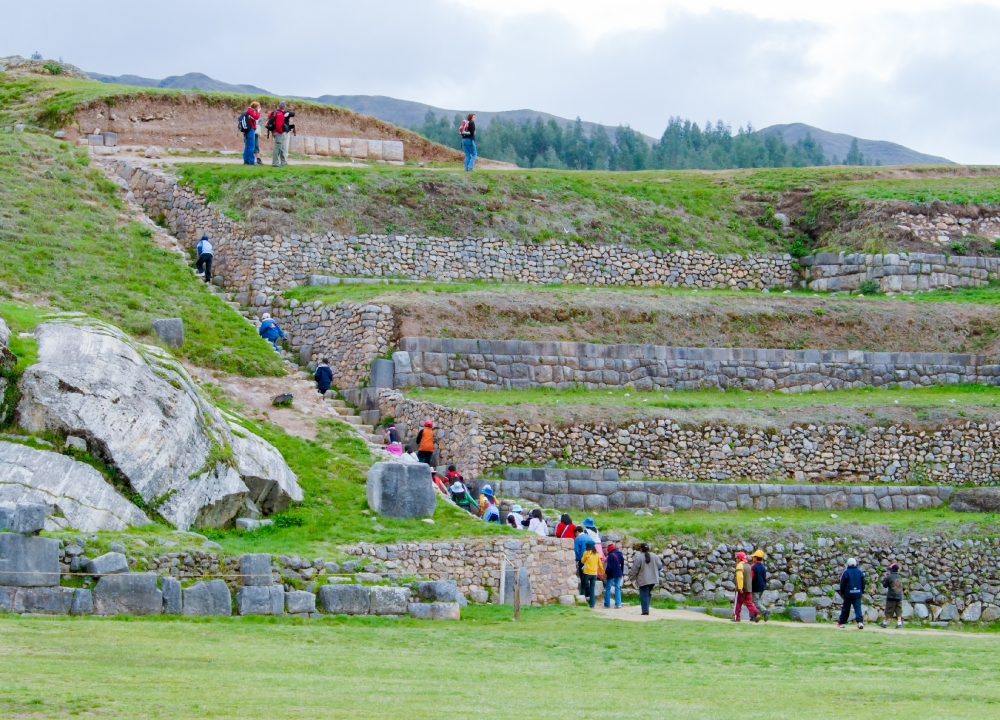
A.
pixel 633 613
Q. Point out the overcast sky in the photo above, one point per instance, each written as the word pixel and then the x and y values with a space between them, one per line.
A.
pixel 923 74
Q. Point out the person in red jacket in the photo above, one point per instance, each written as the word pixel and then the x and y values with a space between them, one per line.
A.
pixel 250 136
pixel 279 124
pixel 566 528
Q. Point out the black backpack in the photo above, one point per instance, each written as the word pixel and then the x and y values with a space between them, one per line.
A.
pixel 244 123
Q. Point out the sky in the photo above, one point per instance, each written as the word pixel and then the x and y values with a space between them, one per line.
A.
pixel 919 73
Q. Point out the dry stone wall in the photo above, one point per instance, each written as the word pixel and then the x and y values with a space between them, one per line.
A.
pixel 897 272
pixel 945 229
pixel 600 490
pixel 517 364
pixel 458 436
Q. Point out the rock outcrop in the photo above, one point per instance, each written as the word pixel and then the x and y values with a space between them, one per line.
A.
pixel 81 498
pixel 141 412
pixel 7 362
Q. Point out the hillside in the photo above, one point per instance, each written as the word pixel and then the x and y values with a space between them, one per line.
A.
pixel 838 145
pixel 189 81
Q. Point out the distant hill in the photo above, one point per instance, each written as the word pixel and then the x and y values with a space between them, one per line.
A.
pixel 838 144
pixel 191 81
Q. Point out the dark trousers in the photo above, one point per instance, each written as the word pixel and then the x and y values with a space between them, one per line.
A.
pixel 579 574
pixel 205 261
pixel 845 612
pixel 589 585
pixel 425 456
pixel 645 595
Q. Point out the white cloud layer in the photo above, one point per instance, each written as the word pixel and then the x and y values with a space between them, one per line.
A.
pixel 918 73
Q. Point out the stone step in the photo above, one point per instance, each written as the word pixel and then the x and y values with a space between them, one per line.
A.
pixel 335 403
pixel 233 305
pixel 345 411
pixel 351 419
pixel 367 429
pixel 377 439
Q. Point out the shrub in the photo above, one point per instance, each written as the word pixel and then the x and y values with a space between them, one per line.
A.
pixel 959 247
pixel 868 287
pixel 54 68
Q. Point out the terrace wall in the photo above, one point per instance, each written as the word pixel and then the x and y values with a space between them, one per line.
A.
pixel 897 272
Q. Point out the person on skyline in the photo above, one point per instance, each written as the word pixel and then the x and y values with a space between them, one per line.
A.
pixel 468 132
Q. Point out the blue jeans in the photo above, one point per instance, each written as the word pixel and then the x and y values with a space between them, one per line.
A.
pixel 248 144
pixel 469 148
pixel 616 585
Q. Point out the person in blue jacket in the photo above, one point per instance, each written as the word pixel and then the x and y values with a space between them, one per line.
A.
pixel 270 331
pixel 852 587
pixel 579 546
pixel 323 377
pixel 205 254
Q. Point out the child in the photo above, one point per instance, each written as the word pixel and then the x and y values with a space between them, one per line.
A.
pixel 893 584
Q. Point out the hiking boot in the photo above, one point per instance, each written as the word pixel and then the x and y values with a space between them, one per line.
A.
pixel 756 618
pixel 767 615
pixel 259 161
pixel 884 624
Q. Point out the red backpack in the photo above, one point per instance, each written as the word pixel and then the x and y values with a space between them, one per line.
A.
pixel 463 127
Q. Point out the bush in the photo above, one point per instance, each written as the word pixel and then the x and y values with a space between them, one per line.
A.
pixel 54 68
pixel 868 287
pixel 959 247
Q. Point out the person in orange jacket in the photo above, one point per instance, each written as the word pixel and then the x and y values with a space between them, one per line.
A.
pixel 425 442
pixel 744 589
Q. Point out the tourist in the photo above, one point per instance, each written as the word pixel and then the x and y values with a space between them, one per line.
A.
pixel 324 378
pixel 744 589
pixel 566 528
pixel 279 125
pixel 537 524
pixel 484 498
pixel 491 513
pixel 516 513
pixel 893 584
pixel 425 442
pixel 645 573
pixel 512 521
pixel 614 569
pixel 252 114
pixel 591 529
pixel 256 143
pixel 852 587
pixel 591 566
pixel 460 495
pixel 579 545
pixel 408 455
pixel 204 252
pixel 270 331
pixel 390 436
pixel 758 583
pixel 468 132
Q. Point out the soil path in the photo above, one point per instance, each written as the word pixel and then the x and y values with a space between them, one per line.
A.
pixel 633 613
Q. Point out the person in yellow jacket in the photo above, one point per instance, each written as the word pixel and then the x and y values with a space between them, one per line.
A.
pixel 591 567
pixel 744 584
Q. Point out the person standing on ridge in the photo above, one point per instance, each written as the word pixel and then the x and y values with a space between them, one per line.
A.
pixel 425 442
pixel 204 264
pixel 852 587
pixel 759 583
pixel 280 126
pixel 468 132
pixel 323 377
pixel 893 584
pixel 744 585
pixel 248 126
pixel 645 573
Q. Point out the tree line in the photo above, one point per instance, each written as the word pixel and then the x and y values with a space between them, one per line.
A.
pixel 684 145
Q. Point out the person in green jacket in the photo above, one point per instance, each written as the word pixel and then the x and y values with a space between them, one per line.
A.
pixel 893 584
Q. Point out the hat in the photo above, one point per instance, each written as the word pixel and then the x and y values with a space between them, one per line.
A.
pixel 428 423
pixel 204 237
pixel 457 487
pixel 852 562
pixel 488 491
pixel 894 567
pixel 516 508
pixel 589 541
pixel 741 555
pixel 611 546
pixel 589 522
pixel 758 554
pixel 265 316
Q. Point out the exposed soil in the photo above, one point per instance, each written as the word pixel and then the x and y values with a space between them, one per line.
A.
pixel 209 123
pixel 701 320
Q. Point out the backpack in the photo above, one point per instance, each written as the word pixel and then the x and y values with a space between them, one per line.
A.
pixel 463 128
pixel 244 123
pixel 270 126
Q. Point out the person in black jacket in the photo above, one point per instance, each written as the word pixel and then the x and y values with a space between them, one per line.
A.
pixel 759 583
pixel 852 587
pixel 893 584
pixel 323 377
pixel 614 570
pixel 468 132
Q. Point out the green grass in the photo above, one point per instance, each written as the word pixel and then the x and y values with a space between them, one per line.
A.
pixel 553 663
pixel 65 248
pixel 963 395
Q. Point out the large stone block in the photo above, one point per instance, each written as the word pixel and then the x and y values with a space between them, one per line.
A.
pixel 512 577
pixel 170 331
pixel 439 590
pixel 83 602
pixel 43 600
pixel 108 564
pixel 28 518
pixel 255 570
pixel 981 499
pixel 260 600
pixel 400 490
pixel 27 561
pixel 208 598
pixel 389 600
pixel 392 150
pixel 299 602
pixel 446 611
pixel 345 599
pixel 132 593
pixel 802 614
pixel 382 373
pixel 172 598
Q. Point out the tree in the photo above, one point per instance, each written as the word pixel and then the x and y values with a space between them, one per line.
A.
pixel 854 155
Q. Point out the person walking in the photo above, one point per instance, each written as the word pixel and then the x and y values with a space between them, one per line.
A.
pixel 323 377
pixel 579 545
pixel 744 589
pixel 280 126
pixel 270 331
pixel 852 587
pixel 425 442
pixel 614 569
pixel 248 126
pixel 893 584
pixel 645 573
pixel 759 583
pixel 566 528
pixel 591 567
pixel 204 265
pixel 468 132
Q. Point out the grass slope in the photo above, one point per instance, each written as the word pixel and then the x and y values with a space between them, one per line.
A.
pixel 65 247
pixel 553 663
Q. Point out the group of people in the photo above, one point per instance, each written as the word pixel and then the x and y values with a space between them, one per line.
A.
pixel 278 125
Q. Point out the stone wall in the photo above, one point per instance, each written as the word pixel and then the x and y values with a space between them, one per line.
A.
pixel 897 272
pixel 600 490
pixel 518 364
pixel 360 148
pixel 945 229
pixel 457 434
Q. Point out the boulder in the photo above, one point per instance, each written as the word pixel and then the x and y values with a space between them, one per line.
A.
pixel 83 499
pixel 7 598
pixel 172 599
pixel 25 518
pixel 445 611
pixel 388 600
pixel 170 331
pixel 513 576
pixel 980 499
pixel 421 611
pixel 400 490
pixel 440 590
pixel 83 602
pixel 43 600
pixel 211 597
pixel 260 600
pixel 27 561
pixel 131 593
pixel 802 614
pixel 140 410
pixel 298 602
pixel 345 599
pixel 255 570
pixel 108 564
pixel 973 612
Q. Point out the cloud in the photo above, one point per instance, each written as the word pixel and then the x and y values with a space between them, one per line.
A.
pixel 917 73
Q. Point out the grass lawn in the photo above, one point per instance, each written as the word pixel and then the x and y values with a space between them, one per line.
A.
pixel 553 663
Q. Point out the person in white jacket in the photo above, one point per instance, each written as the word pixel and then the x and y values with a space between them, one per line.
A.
pixel 537 523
